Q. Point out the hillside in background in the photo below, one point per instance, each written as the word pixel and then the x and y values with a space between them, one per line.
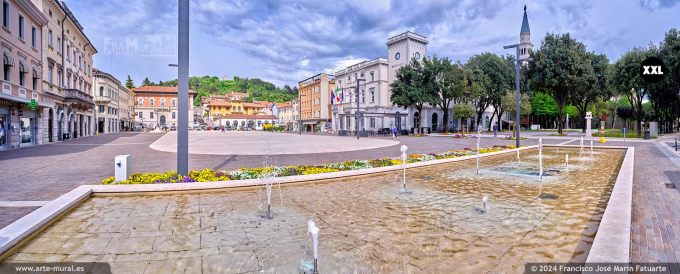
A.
pixel 212 85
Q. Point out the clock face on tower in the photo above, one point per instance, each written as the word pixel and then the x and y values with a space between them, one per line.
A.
pixel 418 55
pixel 397 56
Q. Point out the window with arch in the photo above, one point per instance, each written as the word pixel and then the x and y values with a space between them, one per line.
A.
pixel 101 91
pixel 151 102
pixel 162 102
pixel 174 102
pixel 140 102
pixel 35 79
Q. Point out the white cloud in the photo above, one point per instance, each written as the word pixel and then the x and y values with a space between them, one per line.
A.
pixel 288 40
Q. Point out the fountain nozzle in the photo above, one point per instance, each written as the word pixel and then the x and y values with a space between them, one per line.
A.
pixel 403 149
pixel 485 203
pixel 314 230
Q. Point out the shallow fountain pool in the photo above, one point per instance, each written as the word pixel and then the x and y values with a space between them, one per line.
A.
pixel 366 225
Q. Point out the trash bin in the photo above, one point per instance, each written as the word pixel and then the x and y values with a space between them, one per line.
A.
pixel 646 136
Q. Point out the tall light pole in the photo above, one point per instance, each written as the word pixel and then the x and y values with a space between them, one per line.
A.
pixel 518 63
pixel 300 111
pixel 357 113
pixel 183 89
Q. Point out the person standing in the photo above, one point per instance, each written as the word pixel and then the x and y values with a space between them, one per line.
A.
pixel 394 132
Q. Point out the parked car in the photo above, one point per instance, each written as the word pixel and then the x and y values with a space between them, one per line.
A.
pixel 173 128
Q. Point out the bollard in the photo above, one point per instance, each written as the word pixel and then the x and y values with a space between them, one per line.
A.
pixel 676 144
pixel 122 167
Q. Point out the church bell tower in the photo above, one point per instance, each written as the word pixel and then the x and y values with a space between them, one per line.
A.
pixel 525 45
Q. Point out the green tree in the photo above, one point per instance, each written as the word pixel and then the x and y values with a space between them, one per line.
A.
pixel 129 83
pixel 493 76
pixel 255 88
pixel 627 81
pixel 558 67
pixel 626 113
pixel 593 85
pixel 498 104
pixel 543 107
pixel 413 87
pixel 664 96
pixel 146 82
pixel 450 82
pixel 463 111
pixel 508 104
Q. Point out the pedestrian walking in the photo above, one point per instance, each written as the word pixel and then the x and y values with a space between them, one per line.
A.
pixel 495 130
pixel 394 132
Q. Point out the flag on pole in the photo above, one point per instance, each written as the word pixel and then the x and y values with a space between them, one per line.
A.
pixel 332 98
pixel 341 98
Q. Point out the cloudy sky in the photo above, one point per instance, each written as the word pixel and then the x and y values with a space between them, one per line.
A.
pixel 287 41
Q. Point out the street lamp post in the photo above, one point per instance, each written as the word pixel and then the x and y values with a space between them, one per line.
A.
pixel 300 112
pixel 183 89
pixel 518 62
pixel 358 113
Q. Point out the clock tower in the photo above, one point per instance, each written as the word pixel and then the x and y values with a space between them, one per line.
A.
pixel 401 49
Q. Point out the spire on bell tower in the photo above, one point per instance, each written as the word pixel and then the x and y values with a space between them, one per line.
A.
pixel 525 45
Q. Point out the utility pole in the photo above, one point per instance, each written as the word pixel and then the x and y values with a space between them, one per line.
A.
pixel 183 89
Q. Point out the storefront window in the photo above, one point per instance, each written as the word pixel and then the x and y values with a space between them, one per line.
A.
pixel 26 130
pixel 3 131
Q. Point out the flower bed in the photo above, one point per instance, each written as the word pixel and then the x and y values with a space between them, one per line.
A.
pixel 510 137
pixel 209 175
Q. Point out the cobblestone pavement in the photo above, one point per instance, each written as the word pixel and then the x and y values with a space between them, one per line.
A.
pixel 655 233
pixel 10 214
pixel 655 230
pixel 45 172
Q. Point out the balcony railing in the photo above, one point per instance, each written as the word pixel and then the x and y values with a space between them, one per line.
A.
pixel 102 99
pixel 162 109
pixel 79 96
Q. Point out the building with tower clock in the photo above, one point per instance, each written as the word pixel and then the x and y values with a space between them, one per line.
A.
pixel 375 107
pixel 376 110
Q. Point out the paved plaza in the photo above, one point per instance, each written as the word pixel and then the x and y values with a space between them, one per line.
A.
pixel 43 173
pixel 37 174
pixel 266 143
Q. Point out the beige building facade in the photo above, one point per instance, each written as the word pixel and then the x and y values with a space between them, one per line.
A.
pixel 315 99
pixel 67 74
pixel 286 115
pixel 22 100
pixel 114 111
